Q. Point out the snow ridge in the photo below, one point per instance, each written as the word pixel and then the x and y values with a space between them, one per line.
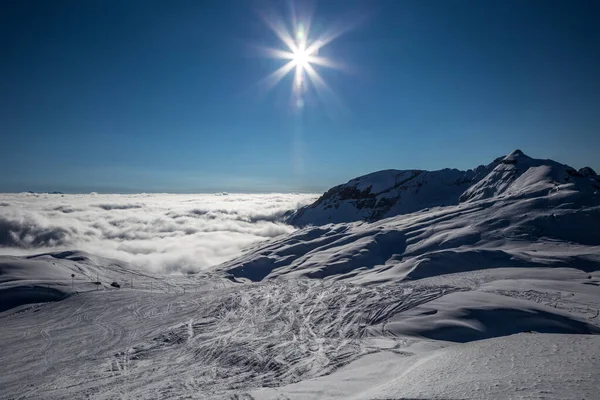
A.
pixel 388 193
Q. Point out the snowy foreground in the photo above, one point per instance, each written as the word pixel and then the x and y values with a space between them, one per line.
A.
pixel 301 338
pixel 493 292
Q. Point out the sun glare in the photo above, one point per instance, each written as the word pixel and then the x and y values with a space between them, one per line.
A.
pixel 301 55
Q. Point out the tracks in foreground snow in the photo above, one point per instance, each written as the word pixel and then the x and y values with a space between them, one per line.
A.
pixel 271 334
pixel 202 345
pixel 222 342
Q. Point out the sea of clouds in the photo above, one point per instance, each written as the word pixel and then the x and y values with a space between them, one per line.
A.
pixel 159 232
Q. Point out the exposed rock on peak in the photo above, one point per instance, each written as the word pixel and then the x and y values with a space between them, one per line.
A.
pixel 385 193
pixel 587 171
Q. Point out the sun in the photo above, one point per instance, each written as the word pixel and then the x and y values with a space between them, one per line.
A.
pixel 301 59
pixel 301 55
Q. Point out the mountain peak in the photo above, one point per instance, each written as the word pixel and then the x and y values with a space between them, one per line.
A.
pixel 516 153
pixel 387 193
pixel 515 156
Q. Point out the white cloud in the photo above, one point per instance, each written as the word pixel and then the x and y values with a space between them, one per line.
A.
pixel 155 231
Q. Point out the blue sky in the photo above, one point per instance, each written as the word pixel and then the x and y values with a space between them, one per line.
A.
pixel 165 96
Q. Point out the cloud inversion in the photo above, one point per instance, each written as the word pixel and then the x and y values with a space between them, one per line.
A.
pixel 160 232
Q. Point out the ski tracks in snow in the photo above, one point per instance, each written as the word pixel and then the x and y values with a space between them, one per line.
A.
pixel 211 344
pixel 271 333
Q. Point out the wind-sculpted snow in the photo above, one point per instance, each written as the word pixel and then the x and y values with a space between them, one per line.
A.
pixel 154 232
pixel 555 230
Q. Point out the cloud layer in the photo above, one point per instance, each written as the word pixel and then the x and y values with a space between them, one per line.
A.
pixel 160 232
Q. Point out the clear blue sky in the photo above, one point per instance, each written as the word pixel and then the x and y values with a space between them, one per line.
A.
pixel 162 95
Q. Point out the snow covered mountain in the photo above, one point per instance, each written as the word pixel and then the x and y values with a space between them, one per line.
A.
pixel 444 284
pixel 523 212
pixel 391 192
pixel 518 175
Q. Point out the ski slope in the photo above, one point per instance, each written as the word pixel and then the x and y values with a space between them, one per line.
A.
pixel 522 366
pixel 222 340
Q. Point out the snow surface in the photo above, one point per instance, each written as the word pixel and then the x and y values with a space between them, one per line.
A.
pixel 306 338
pixel 531 220
pixel 558 230
pixel 494 296
pixel 523 366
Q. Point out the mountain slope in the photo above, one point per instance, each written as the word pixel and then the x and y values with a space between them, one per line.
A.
pixel 522 213
pixel 383 194
pixel 556 231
